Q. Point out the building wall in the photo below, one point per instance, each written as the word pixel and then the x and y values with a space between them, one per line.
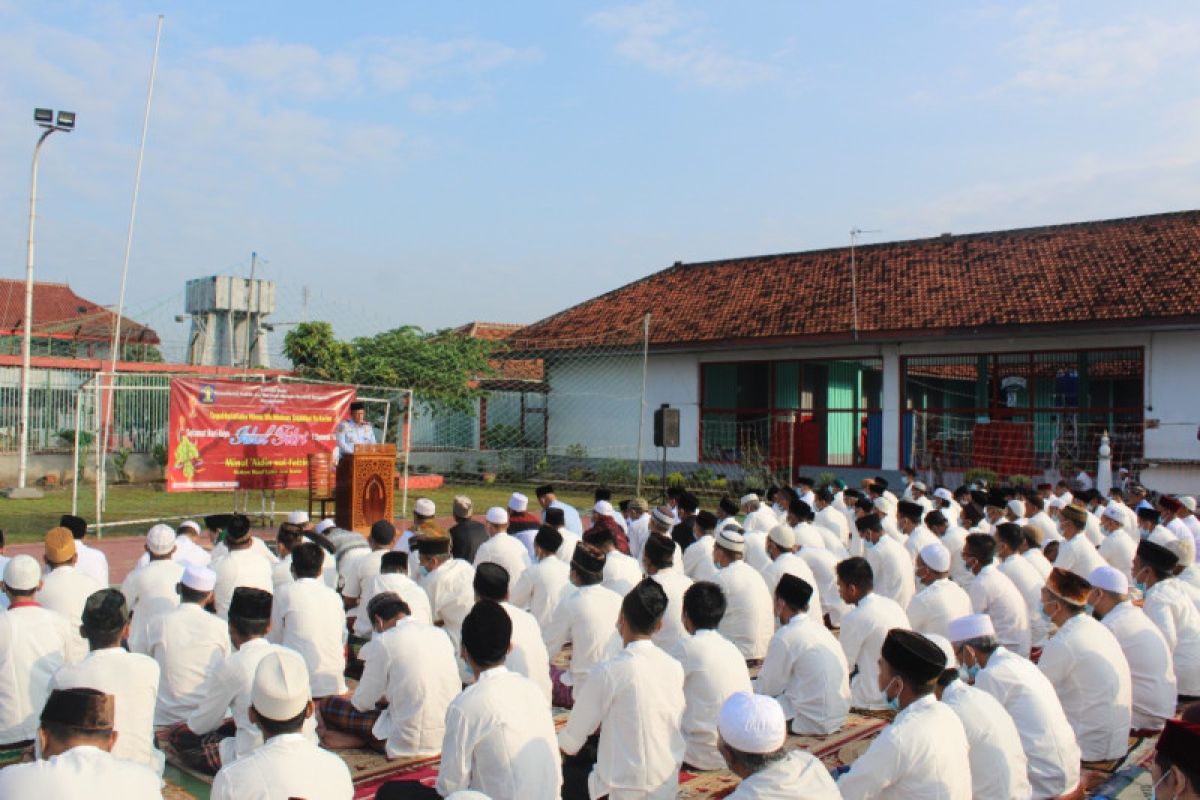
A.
pixel 579 415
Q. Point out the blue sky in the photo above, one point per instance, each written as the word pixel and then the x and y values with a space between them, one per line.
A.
pixel 434 163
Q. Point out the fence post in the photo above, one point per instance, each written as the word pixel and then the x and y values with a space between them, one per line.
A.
pixel 642 412
pixel 75 459
pixel 406 437
pixel 99 456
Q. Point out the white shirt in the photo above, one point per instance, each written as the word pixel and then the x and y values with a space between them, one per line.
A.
pixel 1029 583
pixel 92 562
pixel 636 700
pixel 81 773
pixel 257 546
pixel 994 594
pixel 364 570
pixel 150 592
pixel 587 618
pixel 998 766
pixel 541 588
pixel 506 551
pixel 281 573
pixel 761 519
pixel 285 766
pixel 227 689
pixel 713 669
pixel 756 550
pixel 953 540
pixel 749 620
pixel 807 535
pixel 500 740
pixel 674 584
pixel 698 559
pixel 409 591
pixel 65 591
pixel 571 520
pixel 1078 555
pixel 528 657
pixel 33 645
pixel 1168 606
pixel 621 572
pixel 187 643
pixel 451 593
pixel 1084 662
pixel 638 533
pixel 922 754
pixel 132 679
pixel 797 775
pixel 1042 564
pixel 239 568
pixel 863 632
pixel 893 570
pixel 186 552
pixel 935 605
pixel 1046 737
pixel 1150 666
pixel 792 564
pixel 918 539
pixel 413 666
pixel 1118 549
pixel 823 564
pixel 308 617
pixel 806 671
pixel 832 519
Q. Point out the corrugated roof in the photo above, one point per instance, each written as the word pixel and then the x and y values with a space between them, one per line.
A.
pixel 58 311
pixel 1139 269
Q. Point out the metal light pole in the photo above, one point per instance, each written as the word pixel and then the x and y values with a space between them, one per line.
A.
pixel 44 117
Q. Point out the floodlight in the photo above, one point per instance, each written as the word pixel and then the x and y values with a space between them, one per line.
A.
pixel 43 116
pixel 182 317
pixel 66 120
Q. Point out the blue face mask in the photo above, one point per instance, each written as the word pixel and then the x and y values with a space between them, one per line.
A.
pixel 972 671
pixel 892 702
pixel 1045 616
pixel 1090 610
pixel 422 571
pixel 868 544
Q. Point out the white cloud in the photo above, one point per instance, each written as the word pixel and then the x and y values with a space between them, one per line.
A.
pixel 1057 56
pixel 658 36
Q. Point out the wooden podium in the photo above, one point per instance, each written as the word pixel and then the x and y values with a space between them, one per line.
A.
pixel 365 482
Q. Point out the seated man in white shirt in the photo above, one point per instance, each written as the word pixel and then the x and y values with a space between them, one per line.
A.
pixel 748 621
pixel 752 732
pixel 410 677
pixel 500 738
pixel 540 588
pixel 131 678
pixel 527 652
pixel 805 668
pixel 697 559
pixel 381 540
pixel 939 599
pixel 150 590
pixel 923 753
pixel 307 616
pixel 75 740
pixel 864 629
pixel 585 618
pixel 392 577
pixel 713 669
pixel 890 563
pixel 502 547
pixel 993 593
pixel 241 566
pixel 621 572
pixel 188 643
pixel 225 527
pixel 658 559
pixel 92 561
pixel 635 699
pixel 288 764
pixel 65 589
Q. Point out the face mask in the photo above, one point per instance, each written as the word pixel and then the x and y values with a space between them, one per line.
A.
pixel 1090 610
pixel 868 544
pixel 1045 616
pixel 422 571
pixel 892 702
pixel 971 672
pixel 1154 788
pixel 1140 584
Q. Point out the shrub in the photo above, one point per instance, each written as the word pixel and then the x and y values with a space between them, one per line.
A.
pixel 976 474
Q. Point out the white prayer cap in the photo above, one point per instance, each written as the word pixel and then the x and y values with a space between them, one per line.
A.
pixel 1113 512
pixel 22 573
pixel 202 579
pixel 884 505
pixel 425 507
pixel 971 626
pixel 947 648
pixel 1184 549
pixel 497 516
pixel 1188 501
pixel 280 689
pixel 160 539
pixel 936 556
pixel 1055 502
pixel 603 507
pixel 942 493
pixel 784 536
pixel 324 525
pixel 919 486
pixel 731 540
pixel 749 498
pixel 297 518
pixel 1017 507
pixel 1109 579
pixel 752 723
pixel 518 502
pixel 662 517
pixel 189 523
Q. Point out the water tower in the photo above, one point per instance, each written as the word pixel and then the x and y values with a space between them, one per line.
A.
pixel 229 321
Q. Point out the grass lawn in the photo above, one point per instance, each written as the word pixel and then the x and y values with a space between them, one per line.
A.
pixel 28 520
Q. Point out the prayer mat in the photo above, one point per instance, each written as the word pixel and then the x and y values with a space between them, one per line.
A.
pixel 1131 778
pixel 16 753
pixel 162 737
pixel 834 750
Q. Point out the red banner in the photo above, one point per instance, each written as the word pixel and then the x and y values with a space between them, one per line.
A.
pixel 241 435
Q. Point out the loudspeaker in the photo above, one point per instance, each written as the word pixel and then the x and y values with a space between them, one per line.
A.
pixel 666 427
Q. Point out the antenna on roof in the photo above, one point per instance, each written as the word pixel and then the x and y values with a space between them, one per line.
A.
pixel 855 232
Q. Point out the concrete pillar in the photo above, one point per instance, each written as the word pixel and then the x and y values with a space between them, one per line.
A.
pixel 891 408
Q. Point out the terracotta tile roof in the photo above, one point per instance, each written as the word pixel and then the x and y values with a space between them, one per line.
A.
pixel 512 372
pixel 59 312
pixel 1135 270
pixel 489 330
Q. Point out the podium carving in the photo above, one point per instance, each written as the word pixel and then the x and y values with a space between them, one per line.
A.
pixel 365 484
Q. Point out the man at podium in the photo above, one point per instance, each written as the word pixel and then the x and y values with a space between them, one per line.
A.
pixel 354 431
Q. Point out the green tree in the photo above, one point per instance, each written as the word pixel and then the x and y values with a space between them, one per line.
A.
pixel 316 353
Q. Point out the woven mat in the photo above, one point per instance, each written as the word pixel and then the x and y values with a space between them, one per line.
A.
pixel 15 755
pixel 1129 779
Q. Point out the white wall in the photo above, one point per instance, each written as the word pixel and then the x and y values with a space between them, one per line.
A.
pixel 594 402
pixel 1173 397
